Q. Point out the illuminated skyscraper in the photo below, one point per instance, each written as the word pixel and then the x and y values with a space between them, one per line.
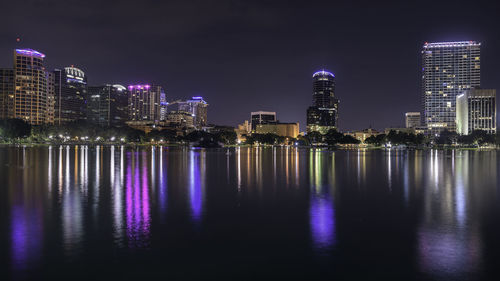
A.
pixel 33 91
pixel 145 102
pixel 107 105
pixel 198 108
pixel 70 95
pixel 262 117
pixel 448 69
pixel 477 110
pixel 323 114
pixel 6 93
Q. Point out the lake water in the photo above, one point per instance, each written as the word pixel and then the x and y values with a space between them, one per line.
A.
pixel 113 212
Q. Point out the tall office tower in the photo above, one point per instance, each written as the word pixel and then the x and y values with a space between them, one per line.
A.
pixel 70 95
pixel 198 108
pixel 6 92
pixel 145 102
pixel 51 97
pixel 32 94
pixel 107 105
pixel 448 68
pixel 412 119
pixel 262 117
pixel 323 114
pixel 476 110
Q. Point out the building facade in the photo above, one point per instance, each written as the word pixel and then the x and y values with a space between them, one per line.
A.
pixel 323 114
pixel 70 95
pixel 180 119
pixel 33 92
pixel 198 108
pixel 145 102
pixel 262 117
pixel 476 110
pixel 281 129
pixel 6 93
pixel 363 134
pixel 412 119
pixel 107 105
pixel 448 69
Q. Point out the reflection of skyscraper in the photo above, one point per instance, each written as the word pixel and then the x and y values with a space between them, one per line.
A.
pixel 448 69
pixel 107 105
pixel 322 115
pixel 322 211
pixel 70 94
pixel 196 183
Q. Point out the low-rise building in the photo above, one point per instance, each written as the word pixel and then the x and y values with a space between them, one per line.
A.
pixel 280 129
pixel 412 119
pixel 363 134
pixel 181 119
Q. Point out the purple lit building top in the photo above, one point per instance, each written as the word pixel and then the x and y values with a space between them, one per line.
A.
pixel 197 99
pixel 139 87
pixel 30 52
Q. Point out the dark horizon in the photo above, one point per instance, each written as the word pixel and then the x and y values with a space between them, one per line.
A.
pixel 244 57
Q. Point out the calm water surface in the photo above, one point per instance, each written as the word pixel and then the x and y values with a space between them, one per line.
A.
pixel 102 213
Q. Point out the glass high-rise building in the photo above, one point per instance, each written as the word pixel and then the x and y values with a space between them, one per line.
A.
pixel 262 117
pixel 145 102
pixel 6 93
pixel 33 88
pixel 198 108
pixel 107 105
pixel 448 69
pixel 70 95
pixel 477 110
pixel 323 114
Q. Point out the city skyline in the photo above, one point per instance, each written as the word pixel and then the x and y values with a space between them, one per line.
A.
pixel 231 65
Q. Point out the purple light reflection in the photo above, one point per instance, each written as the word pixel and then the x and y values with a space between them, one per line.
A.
pixel 137 204
pixel 322 220
pixel 26 231
pixel 195 194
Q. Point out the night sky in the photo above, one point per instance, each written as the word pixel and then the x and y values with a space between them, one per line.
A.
pixel 244 56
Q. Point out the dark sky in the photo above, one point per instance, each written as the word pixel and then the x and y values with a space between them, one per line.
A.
pixel 245 56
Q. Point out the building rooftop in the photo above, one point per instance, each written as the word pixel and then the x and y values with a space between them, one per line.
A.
pixel 323 73
pixel 30 52
pixel 451 44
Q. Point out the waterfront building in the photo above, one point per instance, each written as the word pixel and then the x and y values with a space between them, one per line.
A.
pixel 242 130
pixel 476 110
pixel 448 69
pixel 32 98
pixel 363 134
pixel 180 119
pixel 280 129
pixel 323 114
pixel 107 105
pixel 400 130
pixel 70 95
pixel 412 119
pixel 198 108
pixel 262 117
pixel 145 102
pixel 6 93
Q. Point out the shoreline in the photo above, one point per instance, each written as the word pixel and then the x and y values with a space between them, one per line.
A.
pixel 340 147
